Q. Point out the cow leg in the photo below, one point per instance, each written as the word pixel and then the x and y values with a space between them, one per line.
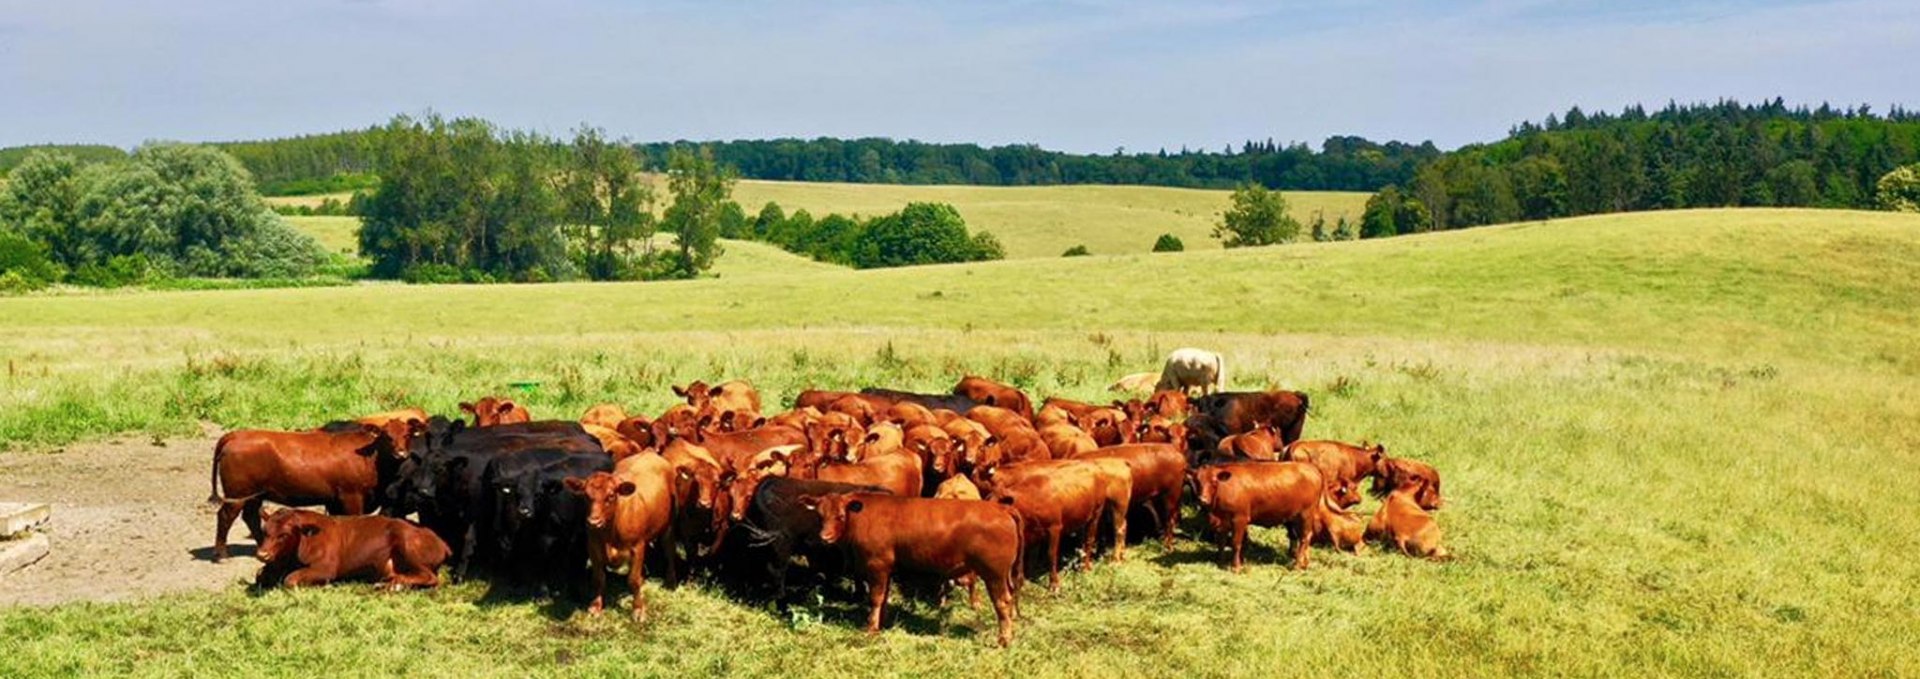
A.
pixel 311 575
pixel 1119 513
pixel 1053 559
pixel 1299 538
pixel 1003 603
pixel 973 592
pixel 1170 519
pixel 636 581
pixel 877 585
pixel 1089 542
pixel 1239 541
pixel 223 523
pixel 469 543
pixel 353 505
pixel 250 513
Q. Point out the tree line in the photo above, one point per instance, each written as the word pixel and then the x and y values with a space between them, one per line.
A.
pixel 1724 154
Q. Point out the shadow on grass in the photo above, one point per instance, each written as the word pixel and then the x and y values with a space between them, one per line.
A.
pixel 234 551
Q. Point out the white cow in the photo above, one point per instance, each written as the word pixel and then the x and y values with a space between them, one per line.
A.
pixel 1188 368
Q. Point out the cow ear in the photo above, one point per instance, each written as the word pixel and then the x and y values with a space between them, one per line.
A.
pixel 855 506
pixel 309 530
pixel 873 437
pixel 990 442
pixel 811 502
pixel 577 485
pixel 625 488
pixel 959 446
pixel 504 407
pixel 777 456
pixel 989 400
pixel 1008 501
pixel 680 391
pixel 713 391
pixel 1223 475
pixel 759 422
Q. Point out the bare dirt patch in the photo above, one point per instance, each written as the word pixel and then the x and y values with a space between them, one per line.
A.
pixel 130 520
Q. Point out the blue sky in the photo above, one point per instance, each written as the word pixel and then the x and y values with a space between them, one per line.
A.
pixel 1081 76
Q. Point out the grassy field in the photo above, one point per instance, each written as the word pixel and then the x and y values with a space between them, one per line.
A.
pixel 1670 443
pixel 336 234
pixel 1033 221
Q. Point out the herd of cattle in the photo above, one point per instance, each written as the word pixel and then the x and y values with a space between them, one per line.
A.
pixel 964 487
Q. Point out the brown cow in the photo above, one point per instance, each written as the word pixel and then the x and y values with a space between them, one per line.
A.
pixel 797 418
pixel 616 445
pixel 1160 429
pixel 1339 528
pixel 908 415
pixel 308 548
pixel 957 487
pixel 896 469
pixel 626 509
pixel 988 392
pixel 343 469
pixel 1402 523
pixel 862 409
pixel 1237 494
pixel 738 449
pixel 1019 445
pixel 1065 440
pixel 608 415
pixel 973 439
pixel 1341 463
pixel 1056 497
pixel 945 538
pixel 1235 412
pixel 1135 382
pixel 494 410
pixel 733 396
pixel 1077 409
pixel 999 421
pixel 834 437
pixel 1170 403
pixel 1259 444
pixel 679 421
pixel 1159 478
pixel 640 431
pixel 939 453
pixel 1107 426
pixel 819 399
pixel 1054 414
pixel 1394 472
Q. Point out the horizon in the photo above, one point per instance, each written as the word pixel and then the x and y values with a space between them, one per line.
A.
pixel 990 74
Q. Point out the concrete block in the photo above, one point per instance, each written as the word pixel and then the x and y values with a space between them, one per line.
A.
pixel 19 517
pixel 18 554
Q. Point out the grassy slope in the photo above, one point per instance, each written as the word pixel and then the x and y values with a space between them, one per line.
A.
pixel 1043 221
pixel 1671 444
pixel 336 234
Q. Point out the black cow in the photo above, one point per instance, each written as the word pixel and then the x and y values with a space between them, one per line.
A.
pixel 534 526
pixel 1238 412
pixel 777 527
pixel 954 402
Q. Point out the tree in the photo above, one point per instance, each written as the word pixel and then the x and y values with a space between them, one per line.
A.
pixel 1899 190
pixel 608 206
pixel 41 199
pixel 1168 243
pixel 700 187
pixel 986 247
pixel 1258 217
pixel 770 216
pixel 920 233
pixel 1076 251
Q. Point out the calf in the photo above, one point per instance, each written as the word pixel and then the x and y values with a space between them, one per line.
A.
pixel 1339 528
pixel 1395 472
pixel 347 471
pixel 1189 369
pixel 1057 497
pixel 1402 523
pixel 945 538
pixel 1237 494
pixel 1240 411
pixel 988 392
pixel 306 548
pixel 493 410
pixel 1159 477
pixel 627 508
pixel 1342 464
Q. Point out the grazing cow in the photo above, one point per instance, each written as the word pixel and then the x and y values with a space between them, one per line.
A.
pixel 775 527
pixel 1259 444
pixel 888 397
pixel 626 509
pixel 1238 412
pixel 1396 471
pixel 1402 523
pixel 347 471
pixel 946 538
pixel 1065 440
pixel 608 415
pixel 1057 497
pixel 1339 528
pixel 1159 478
pixel 1135 382
pixel 403 414
pixel 1341 463
pixel 307 548
pixel 1237 494
pixel 988 392
pixel 493 410
pixel 1189 369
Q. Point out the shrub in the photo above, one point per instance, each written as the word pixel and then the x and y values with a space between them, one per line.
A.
pixel 1076 251
pixel 1899 190
pixel 1168 243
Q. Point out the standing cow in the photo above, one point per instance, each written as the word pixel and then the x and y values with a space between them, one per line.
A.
pixel 1189 368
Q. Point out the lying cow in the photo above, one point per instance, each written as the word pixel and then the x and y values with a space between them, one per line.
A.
pixel 1402 523
pixel 493 410
pixel 307 548
pixel 945 538
pixel 988 392
pixel 1188 369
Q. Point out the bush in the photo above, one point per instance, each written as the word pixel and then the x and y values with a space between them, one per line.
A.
pixel 1076 251
pixel 920 233
pixel 1168 243
pixel 25 264
pixel 1899 190
pixel 1258 217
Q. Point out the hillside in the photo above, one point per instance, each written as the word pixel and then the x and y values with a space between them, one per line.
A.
pixel 1670 443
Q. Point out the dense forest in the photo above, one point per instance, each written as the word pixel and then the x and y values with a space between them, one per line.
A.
pixel 12 157
pixel 317 163
pixel 1341 164
pixel 1705 155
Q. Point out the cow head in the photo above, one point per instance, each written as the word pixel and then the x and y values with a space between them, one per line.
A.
pixel 1209 479
pixel 1106 426
pixel 697 393
pixel 493 410
pixel 740 486
pixel 286 531
pixel 680 421
pixel 1168 403
pixel 1343 494
pixel 835 510
pixel 603 492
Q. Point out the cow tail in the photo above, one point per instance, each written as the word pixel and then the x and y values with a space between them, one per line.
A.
pixel 1219 373
pixel 219 451
pixel 1019 550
